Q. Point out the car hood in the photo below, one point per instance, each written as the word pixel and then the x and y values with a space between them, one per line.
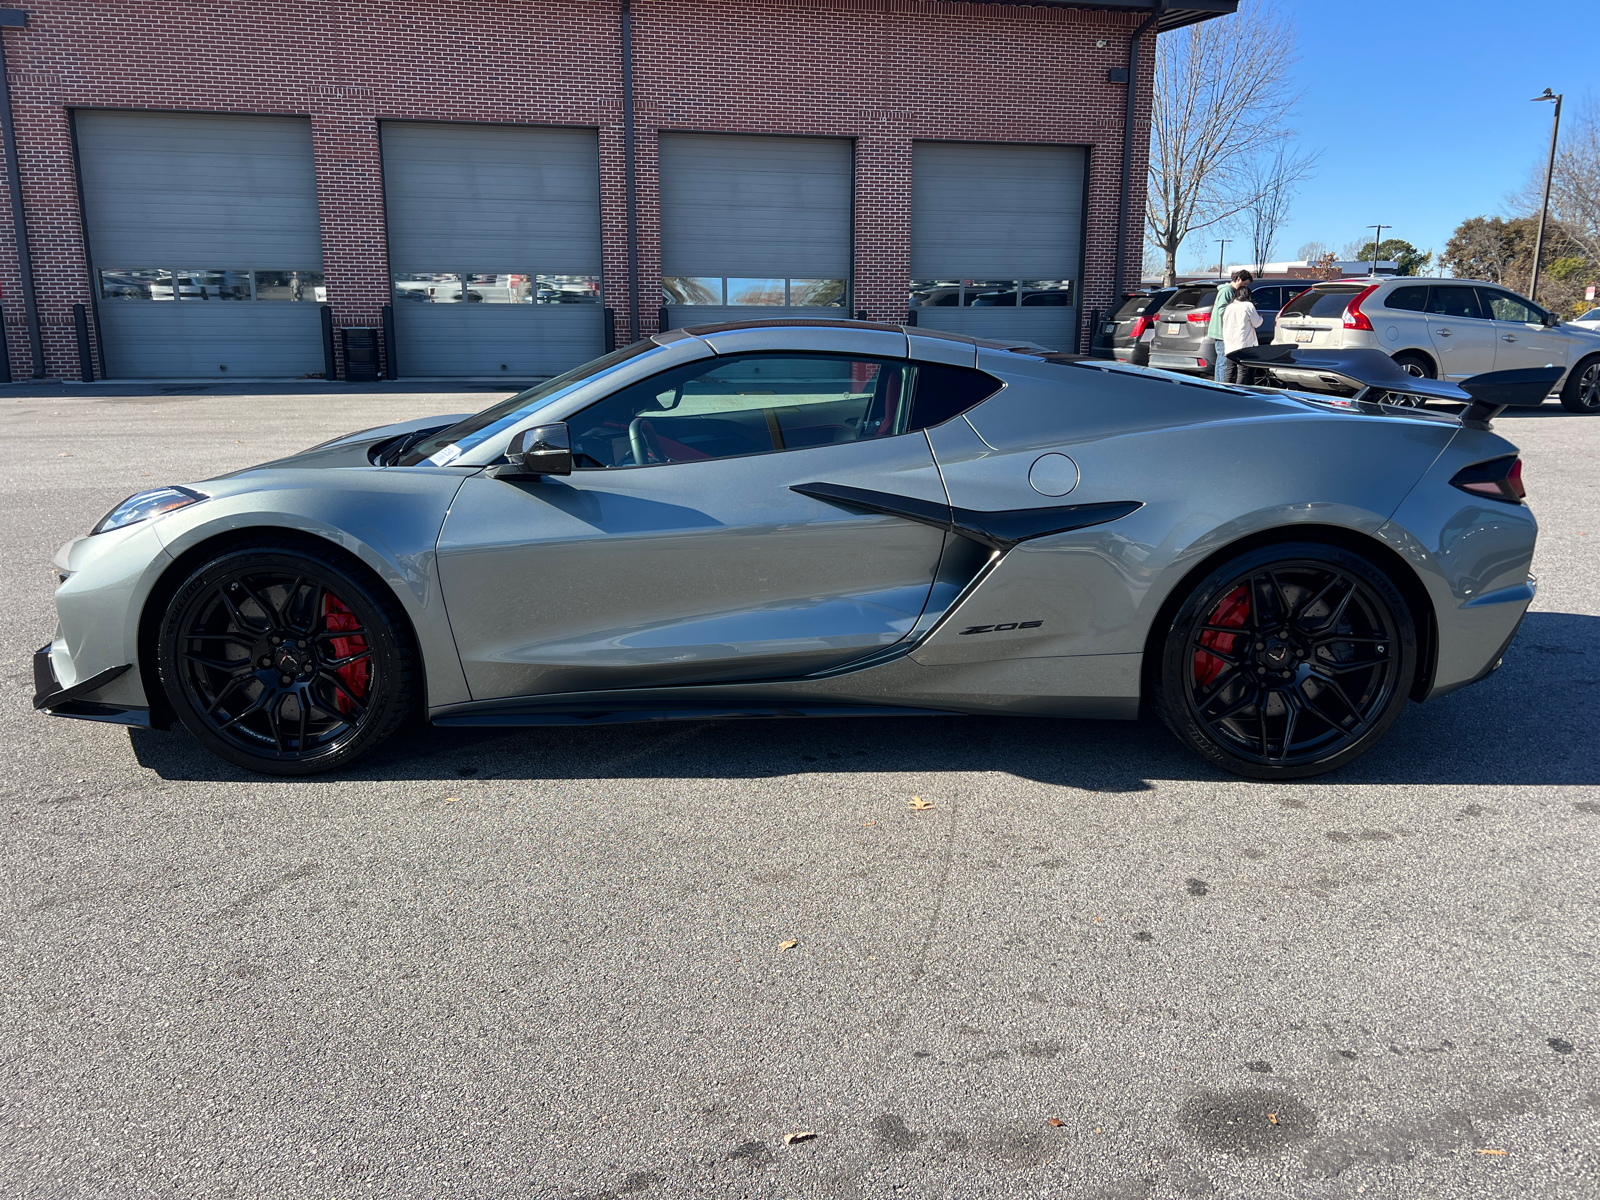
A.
pixel 350 449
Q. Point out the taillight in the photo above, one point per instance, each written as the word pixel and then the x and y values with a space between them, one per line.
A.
pixel 1140 324
pixel 1203 317
pixel 1354 318
pixel 1499 479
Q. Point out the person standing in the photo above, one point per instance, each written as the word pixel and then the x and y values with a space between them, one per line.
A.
pixel 1214 329
pixel 1240 320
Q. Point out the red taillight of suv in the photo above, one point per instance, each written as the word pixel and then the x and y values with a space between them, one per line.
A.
pixel 1354 318
pixel 1140 324
pixel 1499 479
pixel 1202 317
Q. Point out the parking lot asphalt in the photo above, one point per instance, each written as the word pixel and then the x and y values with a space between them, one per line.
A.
pixel 509 963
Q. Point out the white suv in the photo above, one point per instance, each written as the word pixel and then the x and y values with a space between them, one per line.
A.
pixel 1446 329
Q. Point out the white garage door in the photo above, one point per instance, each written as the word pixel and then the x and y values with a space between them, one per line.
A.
pixel 997 240
pixel 494 245
pixel 750 225
pixel 204 242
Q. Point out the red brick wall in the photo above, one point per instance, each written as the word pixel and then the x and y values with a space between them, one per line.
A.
pixel 883 72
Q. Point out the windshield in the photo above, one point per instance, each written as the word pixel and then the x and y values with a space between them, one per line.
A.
pixel 447 445
pixel 1592 315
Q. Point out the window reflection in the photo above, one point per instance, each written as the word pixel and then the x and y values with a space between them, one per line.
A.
pixel 291 285
pixel 816 293
pixel 140 283
pixel 212 285
pixel 685 289
pixel 1046 293
pixel 935 293
pixel 757 292
pixel 428 287
pixel 566 289
pixel 990 293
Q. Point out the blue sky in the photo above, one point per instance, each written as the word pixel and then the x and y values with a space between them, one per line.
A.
pixel 1420 109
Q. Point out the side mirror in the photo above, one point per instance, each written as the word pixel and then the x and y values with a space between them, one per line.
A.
pixel 1552 319
pixel 542 450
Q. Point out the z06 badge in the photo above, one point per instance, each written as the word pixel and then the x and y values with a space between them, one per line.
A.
pixel 1000 628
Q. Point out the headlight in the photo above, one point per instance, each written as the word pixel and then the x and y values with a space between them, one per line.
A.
pixel 142 506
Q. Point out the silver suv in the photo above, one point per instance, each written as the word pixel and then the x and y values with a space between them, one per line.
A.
pixel 1446 329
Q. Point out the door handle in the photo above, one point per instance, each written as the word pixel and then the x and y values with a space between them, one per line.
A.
pixel 1506 337
pixel 1444 333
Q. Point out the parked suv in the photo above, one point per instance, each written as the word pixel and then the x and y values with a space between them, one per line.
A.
pixel 1180 325
pixel 1445 329
pixel 1119 334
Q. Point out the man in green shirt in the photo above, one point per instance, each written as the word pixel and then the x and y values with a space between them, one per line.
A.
pixel 1214 330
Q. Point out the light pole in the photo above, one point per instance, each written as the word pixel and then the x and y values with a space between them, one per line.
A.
pixel 1222 255
pixel 1377 240
pixel 1549 172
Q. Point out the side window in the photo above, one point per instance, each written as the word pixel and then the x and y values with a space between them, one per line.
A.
pixel 1506 307
pixel 1452 300
pixel 943 392
pixel 1408 299
pixel 739 405
pixel 1268 299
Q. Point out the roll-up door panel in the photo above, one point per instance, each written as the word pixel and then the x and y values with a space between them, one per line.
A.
pixel 510 216
pixel 754 206
pixel 177 341
pixel 755 214
pixel 492 198
pixel 200 227
pixel 1001 223
pixel 198 190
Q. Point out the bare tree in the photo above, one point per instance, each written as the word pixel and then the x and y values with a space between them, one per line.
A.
pixel 1270 180
pixel 1311 251
pixel 1222 96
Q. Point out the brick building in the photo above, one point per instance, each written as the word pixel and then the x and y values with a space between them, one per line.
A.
pixel 502 186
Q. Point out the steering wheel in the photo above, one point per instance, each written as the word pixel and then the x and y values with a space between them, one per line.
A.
pixel 644 442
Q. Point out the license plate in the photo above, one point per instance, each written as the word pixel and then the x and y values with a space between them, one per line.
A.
pixel 1110 327
pixel 1174 330
pixel 1305 335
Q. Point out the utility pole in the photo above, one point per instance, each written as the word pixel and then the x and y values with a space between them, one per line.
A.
pixel 1377 240
pixel 1222 255
pixel 1549 171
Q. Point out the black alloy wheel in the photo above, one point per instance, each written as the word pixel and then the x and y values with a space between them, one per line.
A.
pixel 279 661
pixel 1288 661
pixel 1581 392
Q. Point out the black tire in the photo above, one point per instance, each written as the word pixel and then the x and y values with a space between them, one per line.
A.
pixel 1329 669
pixel 1581 392
pixel 331 667
pixel 1413 363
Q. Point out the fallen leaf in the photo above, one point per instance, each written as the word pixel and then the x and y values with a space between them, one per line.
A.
pixel 1491 1151
pixel 63 454
pixel 452 799
pixel 789 945
pixel 864 824
pixel 918 804
pixel 1273 1117
pixel 804 1135
pixel 1056 1122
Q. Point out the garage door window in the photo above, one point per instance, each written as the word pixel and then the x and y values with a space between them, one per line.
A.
pixel 741 292
pixel 220 283
pixel 494 287
pixel 991 293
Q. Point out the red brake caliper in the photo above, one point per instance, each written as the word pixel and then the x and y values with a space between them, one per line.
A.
pixel 356 675
pixel 1234 610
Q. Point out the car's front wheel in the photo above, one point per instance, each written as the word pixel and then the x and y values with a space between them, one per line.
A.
pixel 1581 392
pixel 1287 661
pixel 282 661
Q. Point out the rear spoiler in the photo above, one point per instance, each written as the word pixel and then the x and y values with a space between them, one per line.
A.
pixel 1371 371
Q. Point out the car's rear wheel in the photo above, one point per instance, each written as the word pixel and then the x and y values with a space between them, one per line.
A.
pixel 1287 661
pixel 1416 364
pixel 285 662
pixel 1581 392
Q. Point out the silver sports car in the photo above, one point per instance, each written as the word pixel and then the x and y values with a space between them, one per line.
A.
pixel 825 518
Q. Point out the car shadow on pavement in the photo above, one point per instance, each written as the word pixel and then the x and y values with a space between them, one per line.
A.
pixel 1530 723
